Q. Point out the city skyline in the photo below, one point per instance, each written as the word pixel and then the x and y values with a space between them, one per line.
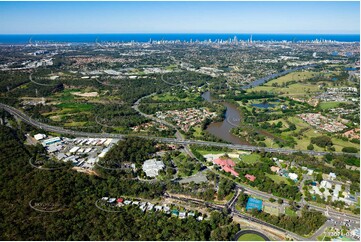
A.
pixel 179 17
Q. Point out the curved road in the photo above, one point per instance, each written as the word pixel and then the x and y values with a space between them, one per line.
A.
pixel 249 231
pixel 19 114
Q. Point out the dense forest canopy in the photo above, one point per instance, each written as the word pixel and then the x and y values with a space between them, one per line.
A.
pixel 76 193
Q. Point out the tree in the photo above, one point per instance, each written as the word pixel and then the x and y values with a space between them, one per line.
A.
pixel 350 150
pixel 322 141
pixel 319 177
pixel 310 147
pixel 280 201
pixel 77 192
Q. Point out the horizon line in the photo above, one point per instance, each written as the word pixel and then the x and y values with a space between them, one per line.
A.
pixel 250 33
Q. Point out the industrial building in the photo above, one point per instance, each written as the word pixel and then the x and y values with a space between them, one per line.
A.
pixel 51 141
pixel 40 136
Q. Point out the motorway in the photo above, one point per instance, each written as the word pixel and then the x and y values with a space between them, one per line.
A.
pixel 19 114
pixel 329 213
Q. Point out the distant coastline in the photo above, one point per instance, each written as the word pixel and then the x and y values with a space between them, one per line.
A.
pixel 91 38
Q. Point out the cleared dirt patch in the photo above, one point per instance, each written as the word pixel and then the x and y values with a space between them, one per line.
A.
pixel 85 94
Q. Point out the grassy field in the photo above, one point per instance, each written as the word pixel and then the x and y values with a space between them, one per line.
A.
pixel 74 124
pixel 305 140
pixel 250 159
pixel 290 212
pixel 271 210
pixel 229 196
pixel 329 105
pixel 214 152
pixel 294 76
pixel 167 97
pixel 250 237
pixel 278 179
pixel 78 107
pixel 198 131
pixel 296 89
pixel 339 144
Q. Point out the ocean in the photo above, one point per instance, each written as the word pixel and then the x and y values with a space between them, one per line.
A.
pixel 91 38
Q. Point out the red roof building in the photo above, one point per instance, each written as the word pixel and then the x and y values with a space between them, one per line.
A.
pixel 120 200
pixel 224 162
pixel 250 177
pixel 227 165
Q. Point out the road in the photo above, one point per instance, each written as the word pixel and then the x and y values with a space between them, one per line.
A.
pixel 330 213
pixel 19 114
pixel 234 212
pixel 178 134
pixel 60 130
pixel 250 231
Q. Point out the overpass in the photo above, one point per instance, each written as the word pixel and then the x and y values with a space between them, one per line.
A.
pixel 25 118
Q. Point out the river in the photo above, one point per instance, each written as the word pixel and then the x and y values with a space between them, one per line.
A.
pixel 222 129
pixel 273 76
pixel 232 119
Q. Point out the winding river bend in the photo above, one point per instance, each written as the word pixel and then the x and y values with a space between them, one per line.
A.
pixel 222 129
pixel 232 119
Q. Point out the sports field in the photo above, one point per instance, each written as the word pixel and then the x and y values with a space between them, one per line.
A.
pixel 250 237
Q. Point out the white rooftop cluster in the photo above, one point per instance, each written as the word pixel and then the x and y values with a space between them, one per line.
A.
pixel 152 166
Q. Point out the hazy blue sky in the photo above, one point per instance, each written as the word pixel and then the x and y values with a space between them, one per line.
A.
pixel 179 17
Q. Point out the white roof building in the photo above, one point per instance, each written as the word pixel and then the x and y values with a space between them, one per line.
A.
pixel 326 193
pixel 332 176
pixel 293 176
pixel 158 208
pixel 310 172
pixel 54 148
pixel 166 209
pixel 40 136
pixel 151 167
pixel 74 149
pixel 316 190
pixel 127 202
pixel 336 190
pixel 182 214
pixel 325 184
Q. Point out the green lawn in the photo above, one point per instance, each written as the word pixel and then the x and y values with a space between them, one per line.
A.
pixel 74 124
pixel 339 144
pixel 290 212
pixel 214 152
pixel 198 131
pixel 80 107
pixel 250 237
pixel 296 89
pixel 229 196
pixel 329 105
pixel 67 96
pixel 166 97
pixel 250 159
pixel 278 179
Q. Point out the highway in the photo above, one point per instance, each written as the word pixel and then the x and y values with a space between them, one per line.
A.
pixel 329 213
pixel 19 114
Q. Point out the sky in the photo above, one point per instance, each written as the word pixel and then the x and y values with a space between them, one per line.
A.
pixel 179 17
